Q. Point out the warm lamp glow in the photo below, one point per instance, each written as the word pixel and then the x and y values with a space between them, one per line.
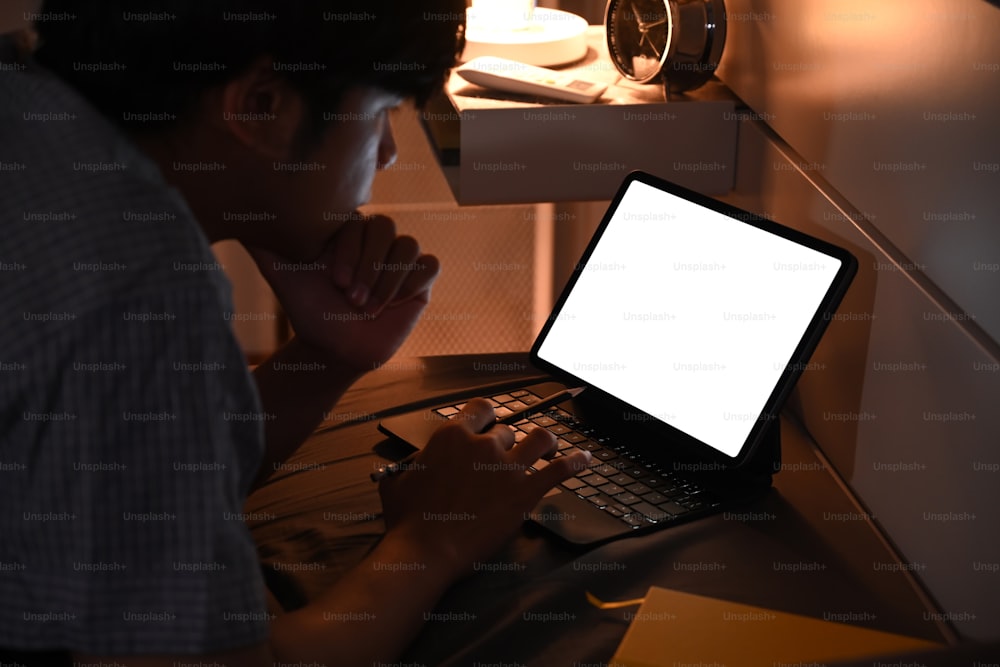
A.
pixel 517 30
pixel 502 15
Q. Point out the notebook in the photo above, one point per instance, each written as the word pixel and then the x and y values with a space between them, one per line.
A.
pixel 688 322
pixel 673 628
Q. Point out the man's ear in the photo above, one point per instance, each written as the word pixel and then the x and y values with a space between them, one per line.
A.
pixel 262 111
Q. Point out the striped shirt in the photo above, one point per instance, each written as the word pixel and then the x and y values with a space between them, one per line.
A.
pixel 130 428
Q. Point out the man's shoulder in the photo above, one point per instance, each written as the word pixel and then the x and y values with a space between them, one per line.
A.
pixel 87 218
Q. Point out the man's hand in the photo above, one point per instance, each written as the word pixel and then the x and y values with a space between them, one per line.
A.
pixel 361 297
pixel 464 496
pixel 468 492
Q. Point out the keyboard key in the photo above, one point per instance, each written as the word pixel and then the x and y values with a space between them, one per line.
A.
pixel 573 483
pixel 651 512
pixel 638 489
pixel 544 420
pixel 621 479
pixel 502 411
pixel 562 445
pixel 574 437
pixel 586 491
pixel 520 393
pixel 515 405
pixel 604 469
pixel 635 520
pixel 519 436
pixel 655 498
pixel 594 480
pixel 589 445
pixel 503 398
pixel 600 500
pixel 610 489
pixel 614 511
pixel 605 454
pixel 627 498
pixel 673 508
pixel 540 464
pixel 559 429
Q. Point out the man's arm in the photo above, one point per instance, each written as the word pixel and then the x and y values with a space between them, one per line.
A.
pixel 368 617
pixel 464 495
pixel 351 312
pixel 297 386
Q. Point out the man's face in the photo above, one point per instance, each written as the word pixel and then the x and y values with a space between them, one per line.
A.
pixel 357 142
pixel 325 184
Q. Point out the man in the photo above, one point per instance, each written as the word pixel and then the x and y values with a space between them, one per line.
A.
pixel 130 428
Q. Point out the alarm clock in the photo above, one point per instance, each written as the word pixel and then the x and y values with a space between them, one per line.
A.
pixel 678 42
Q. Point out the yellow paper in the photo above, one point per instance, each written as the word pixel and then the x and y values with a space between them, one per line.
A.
pixel 673 629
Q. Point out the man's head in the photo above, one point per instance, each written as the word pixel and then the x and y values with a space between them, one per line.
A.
pixel 131 56
pixel 258 85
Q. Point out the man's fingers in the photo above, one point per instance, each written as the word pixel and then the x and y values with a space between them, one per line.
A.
pixel 396 266
pixel 501 435
pixel 346 247
pixel 373 267
pixel 559 469
pixel 380 233
pixel 476 415
pixel 535 445
pixel 425 270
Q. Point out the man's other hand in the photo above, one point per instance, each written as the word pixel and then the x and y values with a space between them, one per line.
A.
pixel 361 297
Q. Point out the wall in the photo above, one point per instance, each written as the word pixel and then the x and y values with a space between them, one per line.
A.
pixel 491 295
pixel 897 105
pixel 875 125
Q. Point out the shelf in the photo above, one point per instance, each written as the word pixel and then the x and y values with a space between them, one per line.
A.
pixel 499 148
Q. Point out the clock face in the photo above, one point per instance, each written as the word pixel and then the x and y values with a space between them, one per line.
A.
pixel 639 34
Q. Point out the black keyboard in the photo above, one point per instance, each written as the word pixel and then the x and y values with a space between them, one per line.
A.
pixel 617 481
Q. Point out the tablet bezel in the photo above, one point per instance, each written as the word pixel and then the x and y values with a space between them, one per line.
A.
pixel 793 369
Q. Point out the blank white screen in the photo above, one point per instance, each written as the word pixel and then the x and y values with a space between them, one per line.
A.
pixel 688 315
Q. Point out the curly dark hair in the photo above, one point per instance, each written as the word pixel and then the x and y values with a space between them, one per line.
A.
pixel 130 57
